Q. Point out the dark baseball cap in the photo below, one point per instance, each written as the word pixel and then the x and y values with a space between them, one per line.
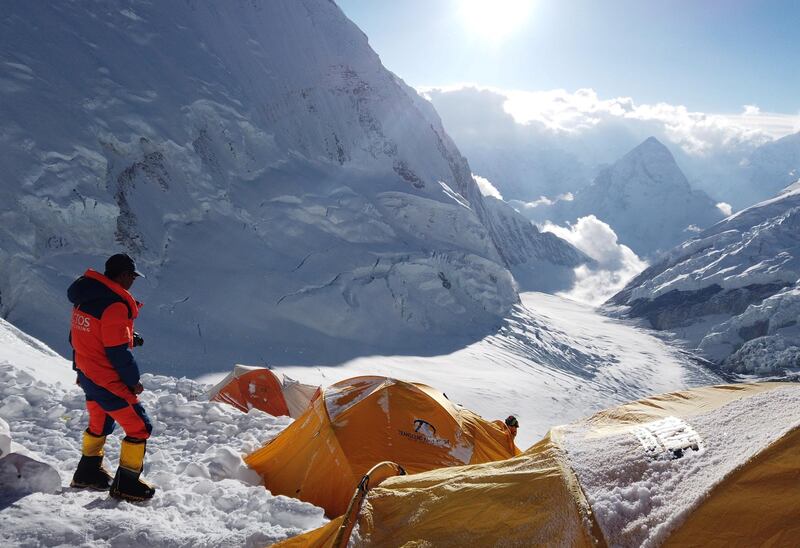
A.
pixel 120 263
pixel 512 421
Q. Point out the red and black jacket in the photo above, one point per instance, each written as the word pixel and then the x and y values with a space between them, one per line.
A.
pixel 101 335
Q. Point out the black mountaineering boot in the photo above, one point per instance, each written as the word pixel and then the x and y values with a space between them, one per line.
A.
pixel 90 473
pixel 127 484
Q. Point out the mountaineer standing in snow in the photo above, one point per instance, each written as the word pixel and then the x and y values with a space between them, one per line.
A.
pixel 510 426
pixel 102 337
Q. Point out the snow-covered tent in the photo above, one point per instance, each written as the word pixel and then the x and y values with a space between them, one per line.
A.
pixel 248 387
pixel 359 422
pixel 714 466
pixel 20 472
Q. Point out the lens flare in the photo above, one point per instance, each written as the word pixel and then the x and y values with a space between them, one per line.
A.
pixel 494 20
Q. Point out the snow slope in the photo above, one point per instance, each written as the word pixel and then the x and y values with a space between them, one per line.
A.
pixel 733 290
pixel 288 197
pixel 767 170
pixel 644 197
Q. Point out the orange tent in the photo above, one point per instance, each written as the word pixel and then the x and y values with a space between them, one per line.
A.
pixel 249 387
pixel 360 422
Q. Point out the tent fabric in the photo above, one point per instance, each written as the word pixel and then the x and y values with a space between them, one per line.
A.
pixel 770 485
pixel 248 387
pixel 298 396
pixel 322 537
pixel 360 422
pixel 725 471
pixel 530 500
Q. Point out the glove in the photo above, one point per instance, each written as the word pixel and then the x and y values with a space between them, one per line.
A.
pixel 138 389
pixel 137 339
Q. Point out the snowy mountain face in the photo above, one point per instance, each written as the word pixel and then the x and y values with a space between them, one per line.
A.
pixel 732 291
pixel 746 177
pixel 644 197
pixel 523 162
pixel 773 166
pixel 287 197
pixel 540 261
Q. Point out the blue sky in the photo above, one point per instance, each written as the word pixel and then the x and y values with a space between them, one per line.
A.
pixel 709 55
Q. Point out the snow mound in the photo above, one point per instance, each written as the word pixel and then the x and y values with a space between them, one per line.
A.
pixel 20 473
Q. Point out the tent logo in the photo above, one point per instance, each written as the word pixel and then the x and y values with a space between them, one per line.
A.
pixel 427 428
pixel 424 432
pixel 668 438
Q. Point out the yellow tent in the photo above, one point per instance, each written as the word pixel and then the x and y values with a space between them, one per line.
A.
pixel 359 422
pixel 714 466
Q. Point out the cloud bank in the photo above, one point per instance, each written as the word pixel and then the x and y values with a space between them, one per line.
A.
pixel 616 263
pixel 580 111
pixel 547 143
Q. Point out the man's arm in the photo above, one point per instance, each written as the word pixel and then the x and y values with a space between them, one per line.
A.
pixel 117 338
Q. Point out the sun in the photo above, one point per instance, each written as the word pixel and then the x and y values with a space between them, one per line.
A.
pixel 494 20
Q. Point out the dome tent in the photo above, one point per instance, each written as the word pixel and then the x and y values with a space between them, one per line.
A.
pixel 362 421
pixel 714 466
pixel 248 387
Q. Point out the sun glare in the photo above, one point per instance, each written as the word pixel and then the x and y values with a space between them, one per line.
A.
pixel 494 20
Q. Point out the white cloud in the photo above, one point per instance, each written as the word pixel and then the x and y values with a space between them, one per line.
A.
pixel 751 110
pixel 486 187
pixel 581 111
pixel 543 201
pixel 725 208
pixel 616 263
pixel 695 132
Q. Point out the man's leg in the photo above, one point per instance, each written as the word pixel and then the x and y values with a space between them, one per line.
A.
pixel 90 472
pixel 127 484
